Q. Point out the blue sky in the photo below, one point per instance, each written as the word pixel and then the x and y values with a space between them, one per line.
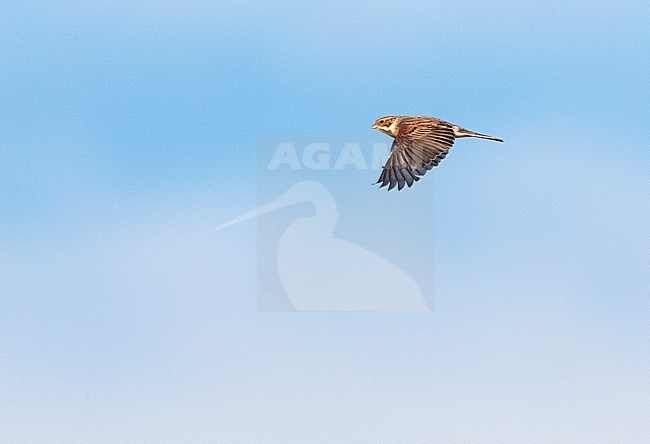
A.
pixel 128 133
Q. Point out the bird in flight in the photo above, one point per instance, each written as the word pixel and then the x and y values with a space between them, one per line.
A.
pixel 420 144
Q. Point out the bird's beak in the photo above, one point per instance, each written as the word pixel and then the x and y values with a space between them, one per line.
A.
pixel 374 126
pixel 287 199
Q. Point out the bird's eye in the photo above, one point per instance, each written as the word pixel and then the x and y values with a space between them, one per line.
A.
pixel 381 122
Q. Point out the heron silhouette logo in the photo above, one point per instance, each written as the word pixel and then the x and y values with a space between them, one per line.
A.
pixel 320 272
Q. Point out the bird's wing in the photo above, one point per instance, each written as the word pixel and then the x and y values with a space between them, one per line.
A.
pixel 417 148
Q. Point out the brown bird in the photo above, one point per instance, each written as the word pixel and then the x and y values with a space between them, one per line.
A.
pixel 420 144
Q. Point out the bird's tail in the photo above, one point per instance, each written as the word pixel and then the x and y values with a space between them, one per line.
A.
pixel 462 132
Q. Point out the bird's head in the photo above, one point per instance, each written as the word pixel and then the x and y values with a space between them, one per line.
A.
pixel 387 125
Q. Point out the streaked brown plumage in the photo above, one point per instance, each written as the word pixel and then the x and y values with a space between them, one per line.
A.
pixel 420 144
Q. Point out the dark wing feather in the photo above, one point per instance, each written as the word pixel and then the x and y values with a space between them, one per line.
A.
pixel 417 148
